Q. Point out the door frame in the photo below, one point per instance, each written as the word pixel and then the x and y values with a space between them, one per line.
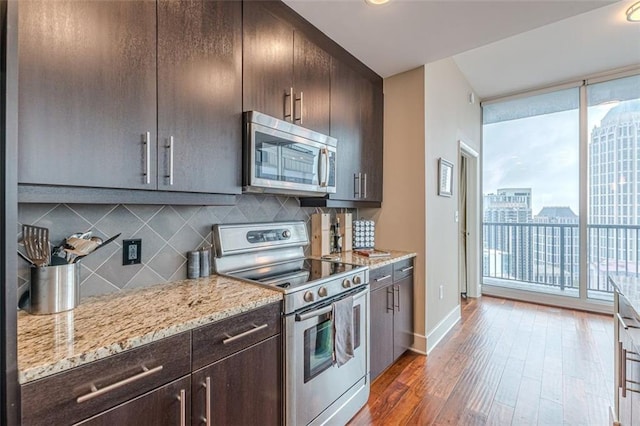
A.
pixel 474 227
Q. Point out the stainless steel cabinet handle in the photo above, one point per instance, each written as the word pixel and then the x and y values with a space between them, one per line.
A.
pixel 408 268
pixel 301 99
pixel 623 372
pixel 170 148
pixel 386 277
pixel 147 157
pixel 396 288
pixel 620 378
pixel 95 392
pixel 356 189
pixel 255 329
pixel 365 185
pixel 390 307
pixel 207 385
pixel 183 407
pixel 289 95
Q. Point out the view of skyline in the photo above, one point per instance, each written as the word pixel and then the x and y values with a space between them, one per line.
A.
pixel 526 153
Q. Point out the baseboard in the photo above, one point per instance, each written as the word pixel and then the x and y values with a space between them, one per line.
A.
pixel 443 328
pixel 419 344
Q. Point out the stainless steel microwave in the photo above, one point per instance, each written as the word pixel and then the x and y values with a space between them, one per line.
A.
pixel 283 158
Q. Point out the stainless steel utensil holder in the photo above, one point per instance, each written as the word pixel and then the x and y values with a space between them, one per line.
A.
pixel 54 289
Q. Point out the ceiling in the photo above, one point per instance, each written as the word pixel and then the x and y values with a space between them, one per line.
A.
pixel 501 46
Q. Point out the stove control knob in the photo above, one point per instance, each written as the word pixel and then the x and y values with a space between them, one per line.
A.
pixel 357 280
pixel 308 296
pixel 322 292
pixel 346 283
pixel 286 234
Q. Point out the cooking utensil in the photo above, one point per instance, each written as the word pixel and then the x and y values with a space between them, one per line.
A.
pixel 97 248
pixel 26 259
pixel 36 244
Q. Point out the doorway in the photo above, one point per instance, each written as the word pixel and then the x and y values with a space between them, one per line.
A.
pixel 469 222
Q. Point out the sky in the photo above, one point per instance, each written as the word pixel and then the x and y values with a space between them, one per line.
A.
pixel 539 152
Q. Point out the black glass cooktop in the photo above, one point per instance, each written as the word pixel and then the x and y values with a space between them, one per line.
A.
pixel 294 273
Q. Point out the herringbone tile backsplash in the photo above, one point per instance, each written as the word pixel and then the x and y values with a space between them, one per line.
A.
pixel 167 233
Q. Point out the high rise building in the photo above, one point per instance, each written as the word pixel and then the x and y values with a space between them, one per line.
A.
pixel 555 240
pixel 614 191
pixel 503 239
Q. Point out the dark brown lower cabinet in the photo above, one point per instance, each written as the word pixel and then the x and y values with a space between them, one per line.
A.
pixel 168 405
pixel 242 389
pixel 391 317
pixel 381 329
pixel 402 316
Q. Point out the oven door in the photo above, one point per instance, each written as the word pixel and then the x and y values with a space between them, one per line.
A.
pixel 277 161
pixel 313 382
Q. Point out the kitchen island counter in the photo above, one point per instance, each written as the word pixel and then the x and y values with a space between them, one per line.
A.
pixel 629 287
pixel 106 325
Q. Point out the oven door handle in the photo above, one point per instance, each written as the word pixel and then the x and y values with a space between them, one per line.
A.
pixel 326 308
pixel 312 314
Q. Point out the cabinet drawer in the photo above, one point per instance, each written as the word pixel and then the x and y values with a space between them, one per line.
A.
pixel 216 341
pixel 67 397
pixel 402 269
pixel 380 277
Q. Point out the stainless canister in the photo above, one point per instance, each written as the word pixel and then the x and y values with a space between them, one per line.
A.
pixel 54 289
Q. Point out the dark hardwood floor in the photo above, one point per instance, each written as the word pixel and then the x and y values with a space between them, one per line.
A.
pixel 505 363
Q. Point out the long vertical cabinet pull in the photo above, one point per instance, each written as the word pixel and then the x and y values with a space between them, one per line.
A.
pixel 390 292
pixel 183 407
pixel 365 185
pixel 396 289
pixel 170 148
pixel 623 370
pixel 147 160
pixel 301 99
pixel 207 409
pixel 291 96
pixel 357 189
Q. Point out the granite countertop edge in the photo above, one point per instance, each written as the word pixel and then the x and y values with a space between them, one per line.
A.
pixel 229 306
pixel 353 258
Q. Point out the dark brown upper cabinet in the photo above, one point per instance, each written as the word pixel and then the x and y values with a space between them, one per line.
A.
pixel 99 109
pixel 87 93
pixel 199 96
pixel 356 121
pixel 285 74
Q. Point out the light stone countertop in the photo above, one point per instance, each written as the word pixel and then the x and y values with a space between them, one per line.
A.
pixel 372 262
pixel 106 325
pixel 630 288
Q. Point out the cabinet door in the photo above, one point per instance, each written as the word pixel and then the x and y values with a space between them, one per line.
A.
pixel 245 388
pixel 381 330
pixel 267 54
pixel 345 127
pixel 199 96
pixel 87 93
pixel 168 405
pixel 403 317
pixel 311 85
pixel 371 114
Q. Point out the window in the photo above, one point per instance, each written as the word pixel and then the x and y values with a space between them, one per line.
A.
pixel 531 149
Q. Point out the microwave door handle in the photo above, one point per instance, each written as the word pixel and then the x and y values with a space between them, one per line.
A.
pixel 324 169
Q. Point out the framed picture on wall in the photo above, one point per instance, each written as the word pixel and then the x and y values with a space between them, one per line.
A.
pixel 445 178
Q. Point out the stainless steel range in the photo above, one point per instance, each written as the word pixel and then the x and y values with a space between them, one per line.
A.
pixel 318 390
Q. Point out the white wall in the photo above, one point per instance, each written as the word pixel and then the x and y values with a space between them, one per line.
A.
pixel 427 111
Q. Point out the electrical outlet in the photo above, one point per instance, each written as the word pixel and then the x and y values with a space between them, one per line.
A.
pixel 441 292
pixel 131 252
